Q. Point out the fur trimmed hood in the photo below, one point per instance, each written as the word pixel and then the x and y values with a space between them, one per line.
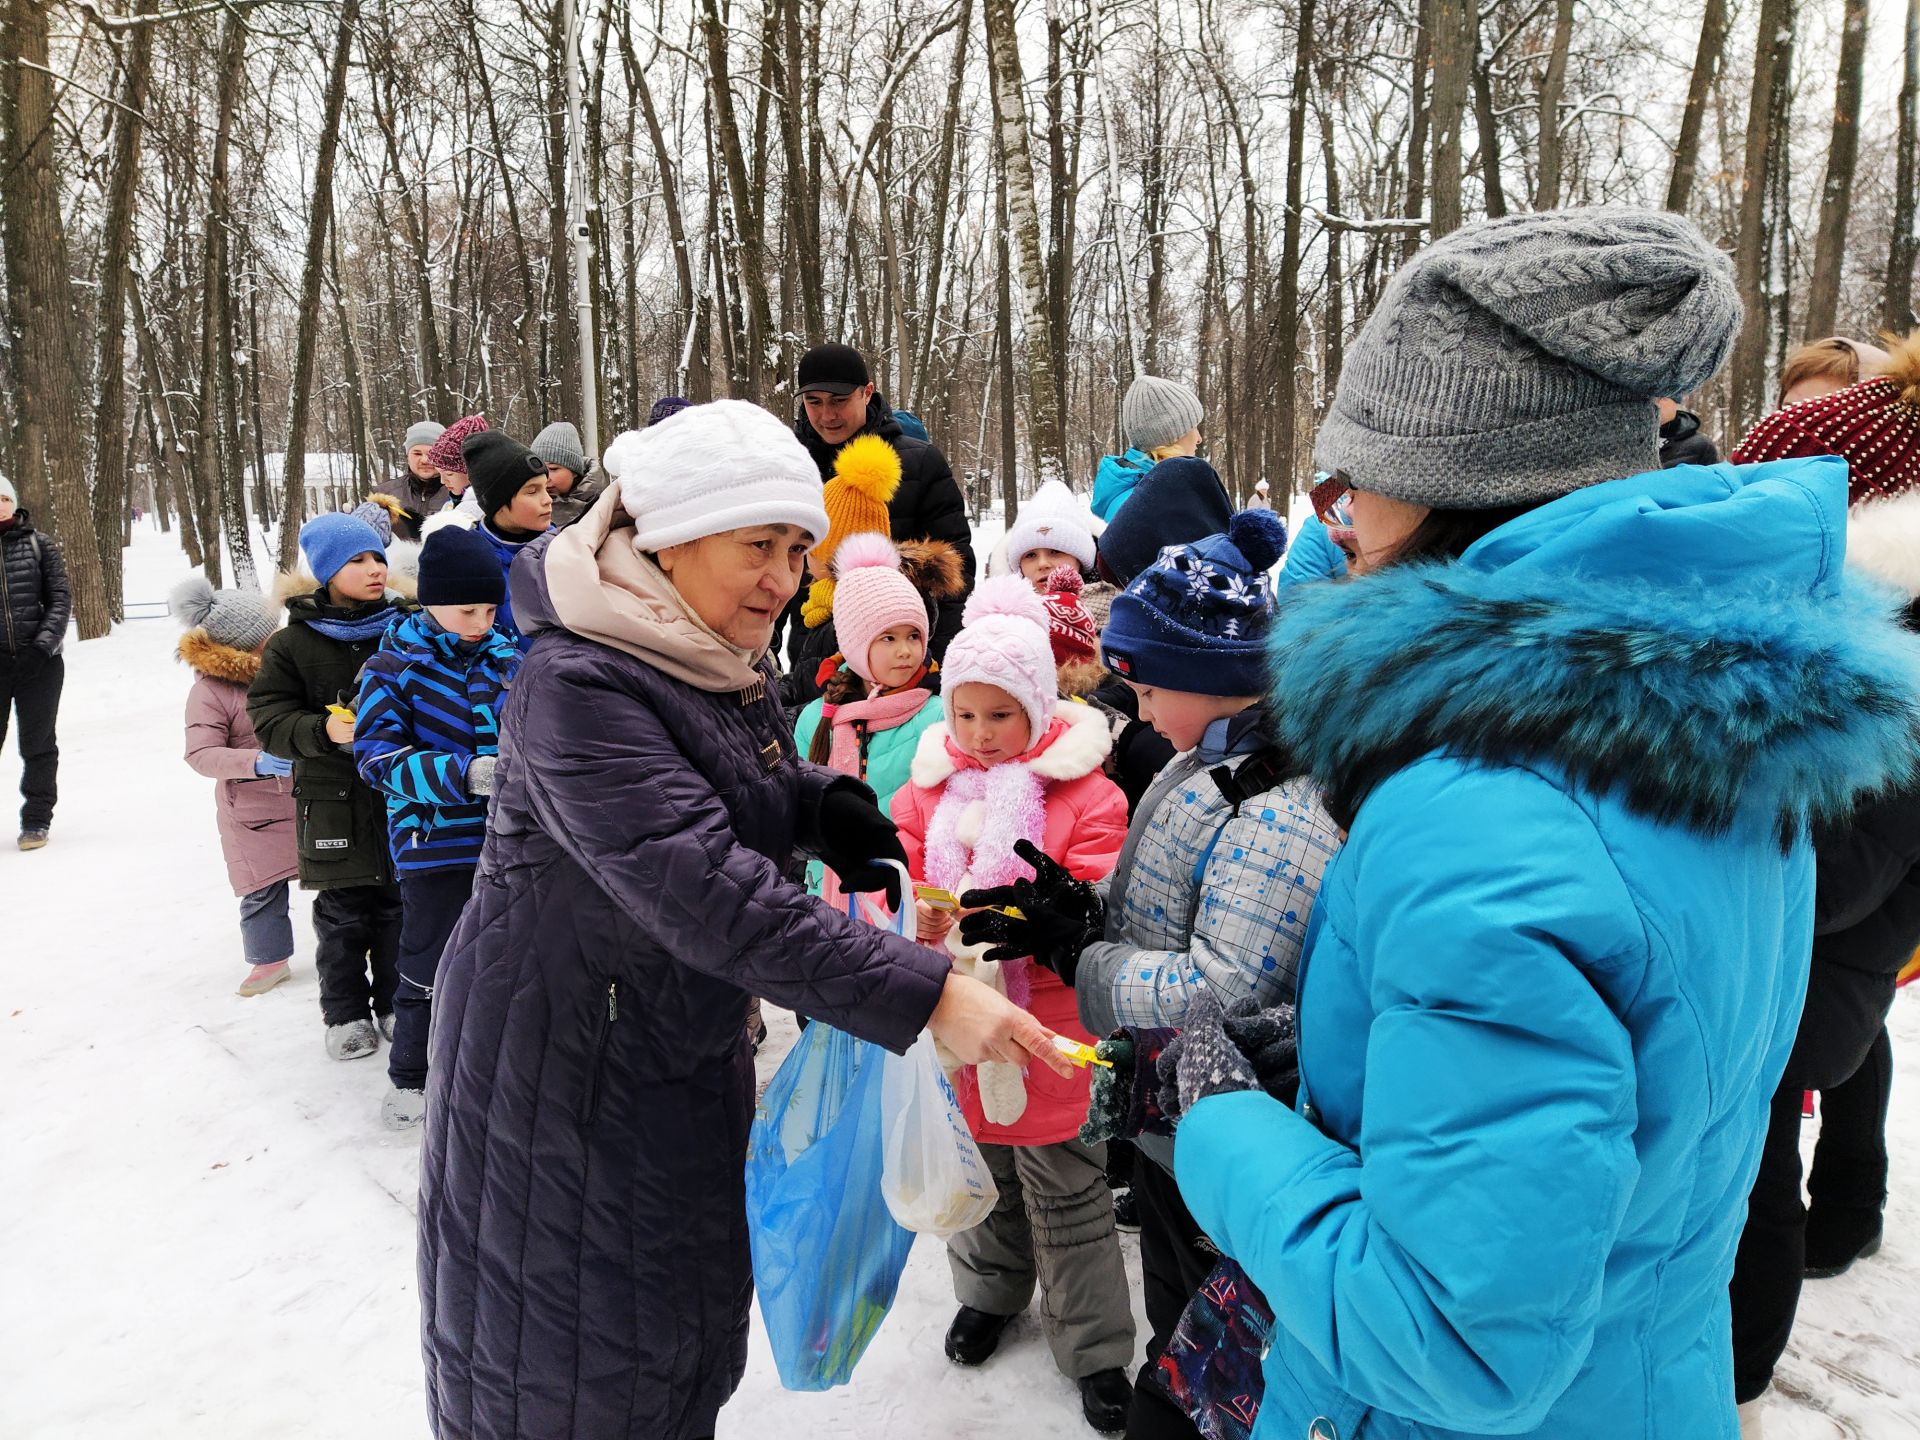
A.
pixel 1079 749
pixel 1683 639
pixel 210 658
pixel 290 585
pixel 1883 539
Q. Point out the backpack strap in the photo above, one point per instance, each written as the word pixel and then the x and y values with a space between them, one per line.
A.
pixel 1261 771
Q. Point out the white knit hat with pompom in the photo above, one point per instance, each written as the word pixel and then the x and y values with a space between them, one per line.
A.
pixel 1003 641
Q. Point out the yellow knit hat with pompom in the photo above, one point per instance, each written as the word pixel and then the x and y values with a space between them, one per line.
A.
pixel 865 475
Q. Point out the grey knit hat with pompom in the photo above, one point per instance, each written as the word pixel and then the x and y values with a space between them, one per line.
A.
pixel 1517 360
pixel 240 618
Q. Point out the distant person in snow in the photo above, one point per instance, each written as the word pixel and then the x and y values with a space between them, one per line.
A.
pixel 584 1268
pixel 1161 420
pixel 35 604
pixel 1050 530
pixel 253 791
pixel 1681 442
pixel 509 483
pixel 1821 367
pixel 838 402
pixel 447 455
pixel 572 479
pixel 419 491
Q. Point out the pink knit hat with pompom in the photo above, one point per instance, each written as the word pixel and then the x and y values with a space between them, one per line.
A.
pixel 870 597
pixel 1003 641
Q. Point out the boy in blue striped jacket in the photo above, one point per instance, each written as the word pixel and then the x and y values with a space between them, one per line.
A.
pixel 426 738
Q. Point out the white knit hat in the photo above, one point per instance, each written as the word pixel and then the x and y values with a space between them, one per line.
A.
pixel 7 490
pixel 710 468
pixel 1052 519
pixel 1003 641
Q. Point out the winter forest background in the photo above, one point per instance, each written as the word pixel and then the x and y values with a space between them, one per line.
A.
pixel 247 241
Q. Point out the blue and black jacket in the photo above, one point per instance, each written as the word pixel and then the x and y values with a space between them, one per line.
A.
pixel 428 705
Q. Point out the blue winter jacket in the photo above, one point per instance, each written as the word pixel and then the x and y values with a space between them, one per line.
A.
pixel 426 709
pixel 1555 972
pixel 507 550
pixel 1115 478
pixel 1311 556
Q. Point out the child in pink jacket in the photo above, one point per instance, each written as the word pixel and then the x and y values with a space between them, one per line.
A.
pixel 253 794
pixel 1012 763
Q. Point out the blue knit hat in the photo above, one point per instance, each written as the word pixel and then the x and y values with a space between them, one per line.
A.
pixel 1178 501
pixel 1197 618
pixel 330 541
pixel 459 566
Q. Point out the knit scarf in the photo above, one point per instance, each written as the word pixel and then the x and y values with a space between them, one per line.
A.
pixel 1014 809
pixel 366 627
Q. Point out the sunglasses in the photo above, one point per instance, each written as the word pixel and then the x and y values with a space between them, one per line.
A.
pixel 1332 500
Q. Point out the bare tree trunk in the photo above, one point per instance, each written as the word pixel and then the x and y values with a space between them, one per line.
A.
pixel 1452 67
pixel 509 191
pixel 1896 314
pixel 1706 65
pixel 1286 310
pixel 293 484
pixel 941 213
pixel 756 367
pixel 51 459
pixel 803 200
pixel 218 460
pixel 1836 192
pixel 1553 87
pixel 1772 44
pixel 109 415
pixel 1003 347
pixel 1421 123
pixel 1483 116
pixel 1023 211
pixel 168 450
pixel 1333 334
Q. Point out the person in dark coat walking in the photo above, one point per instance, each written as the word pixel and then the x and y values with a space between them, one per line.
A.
pixel 309 670
pixel 420 492
pixel 35 605
pixel 584 1264
pixel 838 401
pixel 1866 910
pixel 1681 442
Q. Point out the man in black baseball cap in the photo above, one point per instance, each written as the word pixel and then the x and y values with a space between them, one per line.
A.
pixel 838 402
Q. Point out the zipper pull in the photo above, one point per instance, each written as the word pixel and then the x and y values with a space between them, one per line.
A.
pixel 613 1001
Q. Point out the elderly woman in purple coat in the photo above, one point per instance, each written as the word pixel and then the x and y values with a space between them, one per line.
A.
pixel 583 1241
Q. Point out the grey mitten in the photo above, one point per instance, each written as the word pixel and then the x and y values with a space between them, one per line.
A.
pixel 1270 1040
pixel 480 774
pixel 1203 1061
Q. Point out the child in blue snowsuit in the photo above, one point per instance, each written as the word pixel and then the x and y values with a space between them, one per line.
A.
pixel 426 738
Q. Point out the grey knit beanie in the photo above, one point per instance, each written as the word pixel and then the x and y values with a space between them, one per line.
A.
pixel 424 432
pixel 240 618
pixel 1158 412
pixel 1517 360
pixel 559 444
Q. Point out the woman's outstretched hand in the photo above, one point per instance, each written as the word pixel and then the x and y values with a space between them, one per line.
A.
pixel 977 1023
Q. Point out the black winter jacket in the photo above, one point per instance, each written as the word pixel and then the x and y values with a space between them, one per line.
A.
pixel 927 506
pixel 35 603
pixel 583 1251
pixel 1681 442
pixel 1866 926
pixel 418 500
pixel 341 820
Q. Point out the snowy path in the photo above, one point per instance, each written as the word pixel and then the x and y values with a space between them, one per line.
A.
pixel 206 1232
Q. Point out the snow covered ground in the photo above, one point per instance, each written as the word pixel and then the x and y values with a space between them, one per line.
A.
pixel 205 1232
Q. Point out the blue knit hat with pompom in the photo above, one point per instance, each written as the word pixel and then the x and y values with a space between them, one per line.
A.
pixel 1196 619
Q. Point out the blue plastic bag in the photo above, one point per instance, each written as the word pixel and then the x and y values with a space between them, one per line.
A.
pixel 827 1255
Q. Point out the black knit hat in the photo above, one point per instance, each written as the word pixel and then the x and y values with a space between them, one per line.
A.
pixel 1177 502
pixel 498 466
pixel 834 368
pixel 459 567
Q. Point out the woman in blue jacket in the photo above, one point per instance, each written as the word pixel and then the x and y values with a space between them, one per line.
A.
pixel 1576 726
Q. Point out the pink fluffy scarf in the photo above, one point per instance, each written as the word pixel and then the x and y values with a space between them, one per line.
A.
pixel 1014 809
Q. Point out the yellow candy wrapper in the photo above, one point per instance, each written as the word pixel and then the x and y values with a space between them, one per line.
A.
pixel 1080 1054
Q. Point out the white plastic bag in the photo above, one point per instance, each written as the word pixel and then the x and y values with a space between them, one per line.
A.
pixel 932 1175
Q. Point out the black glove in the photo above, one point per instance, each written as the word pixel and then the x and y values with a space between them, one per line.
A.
pixel 856 835
pixel 1059 916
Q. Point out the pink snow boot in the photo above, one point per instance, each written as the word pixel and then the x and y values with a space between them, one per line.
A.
pixel 262 978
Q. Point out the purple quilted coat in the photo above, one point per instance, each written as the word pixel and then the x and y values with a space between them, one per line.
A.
pixel 583 1261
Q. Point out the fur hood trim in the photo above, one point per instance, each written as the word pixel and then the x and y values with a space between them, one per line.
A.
pixel 290 585
pixel 210 658
pixel 1080 749
pixel 1693 704
pixel 1883 539
pixel 934 568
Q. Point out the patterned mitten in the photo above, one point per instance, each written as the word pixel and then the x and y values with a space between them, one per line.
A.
pixel 1203 1061
pixel 1127 1099
pixel 1270 1040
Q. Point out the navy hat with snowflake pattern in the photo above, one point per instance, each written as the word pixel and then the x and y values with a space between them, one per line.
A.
pixel 1196 619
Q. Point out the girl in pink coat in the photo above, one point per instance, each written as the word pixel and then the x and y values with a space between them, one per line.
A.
pixel 253 793
pixel 1012 763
